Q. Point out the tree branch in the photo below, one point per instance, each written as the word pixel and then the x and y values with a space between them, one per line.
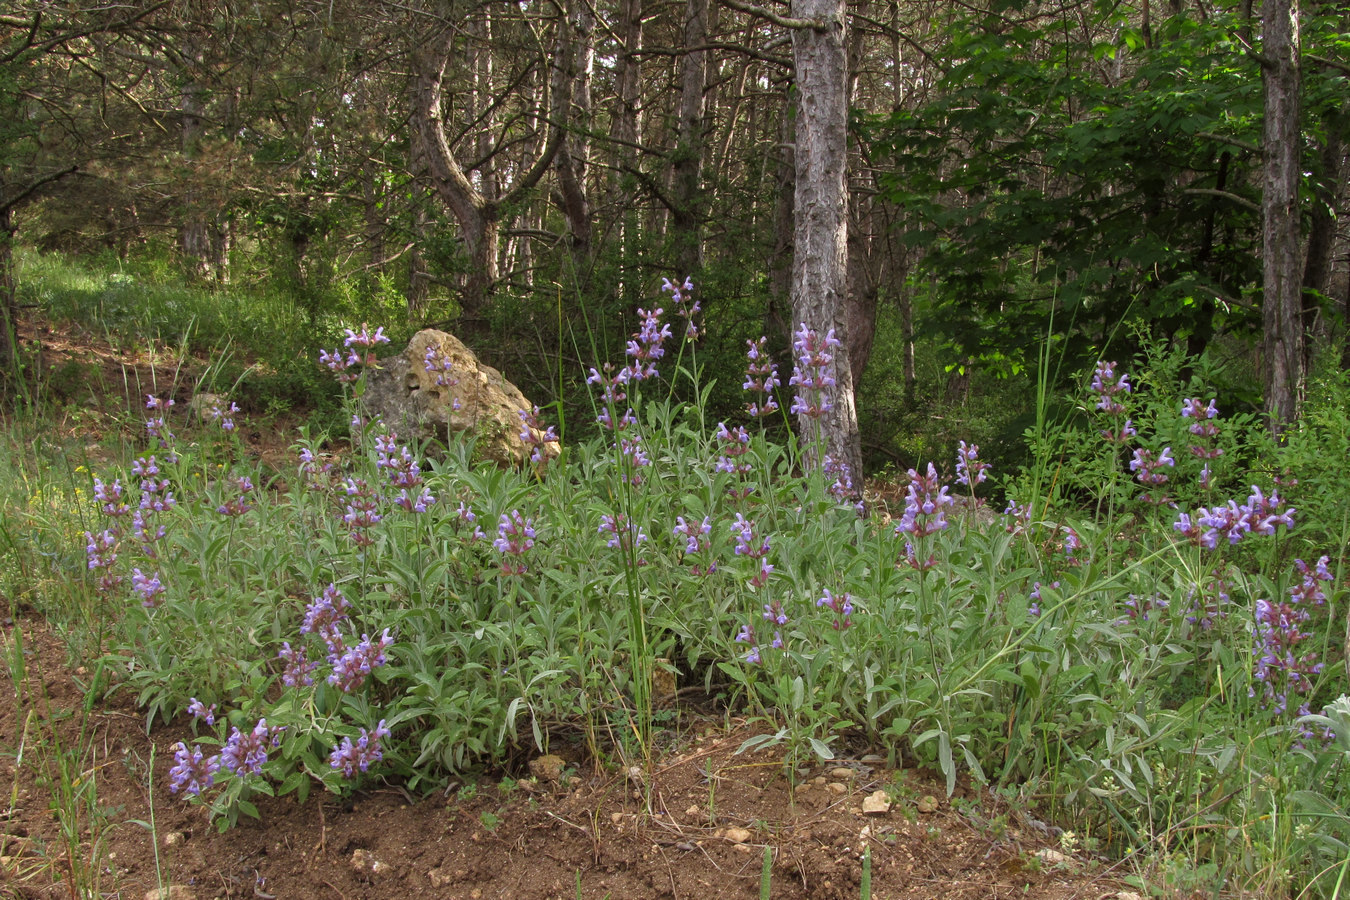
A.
pixel 1225 195
pixel 1224 139
pixel 9 204
pixel 769 15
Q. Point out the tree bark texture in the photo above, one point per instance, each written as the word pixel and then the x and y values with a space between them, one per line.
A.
pixel 687 166
pixel 1282 301
pixel 572 88
pixel 820 203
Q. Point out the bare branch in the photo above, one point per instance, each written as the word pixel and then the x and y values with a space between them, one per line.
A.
pixel 769 15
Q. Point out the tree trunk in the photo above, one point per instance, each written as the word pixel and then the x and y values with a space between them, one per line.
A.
pixel 574 152
pixel 478 215
pixel 1328 194
pixel 687 164
pixel 820 242
pixel 9 301
pixel 1282 343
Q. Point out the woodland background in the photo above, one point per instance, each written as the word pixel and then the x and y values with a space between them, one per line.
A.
pixel 1085 178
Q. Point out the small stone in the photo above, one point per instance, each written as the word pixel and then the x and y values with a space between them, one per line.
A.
pixel 876 803
pixel 819 779
pixel 693 811
pixel 738 835
pixel 1050 857
pixel 1125 895
pixel 742 848
pixel 172 892
pixel 801 788
pixel 835 787
pixel 548 768
pixel 928 803
pixel 635 774
pixel 174 838
pixel 615 818
pixel 366 865
pixel 844 773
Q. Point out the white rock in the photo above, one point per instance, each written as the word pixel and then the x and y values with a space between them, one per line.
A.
pixel 738 835
pixel 876 803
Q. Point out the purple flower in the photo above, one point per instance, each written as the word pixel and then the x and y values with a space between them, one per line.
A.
pixel 841 606
pixel 190 771
pixel 110 495
pixel 442 366
pixel 349 758
pixel 223 415
pixel 1107 387
pixel 297 672
pixel 364 339
pixel 773 612
pixel 534 435
pixel 926 502
pixel 149 587
pixel 158 426
pixel 634 458
pixel 362 513
pixel 623 533
pixel 747 544
pixel 968 465
pixel 735 444
pixel 1282 666
pixel 645 348
pixel 812 375
pixel 199 710
pixel 419 504
pixel 695 534
pixel 238 504
pixel 611 385
pixel 351 669
pixel 1148 468
pixel 245 753
pixel 761 377
pixel 682 295
pixel 397 461
pixel 515 537
pixel 327 609
pixel 341 366
pixel 101 549
pixel 1200 415
pixel 842 488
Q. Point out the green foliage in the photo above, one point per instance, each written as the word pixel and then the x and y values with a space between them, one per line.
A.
pixel 1052 180
pixel 1078 649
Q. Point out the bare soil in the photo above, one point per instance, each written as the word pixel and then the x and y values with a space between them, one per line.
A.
pixel 592 832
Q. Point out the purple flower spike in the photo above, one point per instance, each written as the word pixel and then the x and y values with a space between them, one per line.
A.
pixel 191 772
pixel 245 753
pixel 350 758
pixel 813 375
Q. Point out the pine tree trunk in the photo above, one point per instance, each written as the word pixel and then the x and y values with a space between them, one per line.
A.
pixel 820 242
pixel 1282 343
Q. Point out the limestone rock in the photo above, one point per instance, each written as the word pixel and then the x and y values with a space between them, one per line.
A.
pixel 738 835
pixel 366 866
pixel 173 892
pixel 876 803
pixel 548 768
pixel 408 399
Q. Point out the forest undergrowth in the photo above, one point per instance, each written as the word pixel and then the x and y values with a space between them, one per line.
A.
pixel 1141 639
